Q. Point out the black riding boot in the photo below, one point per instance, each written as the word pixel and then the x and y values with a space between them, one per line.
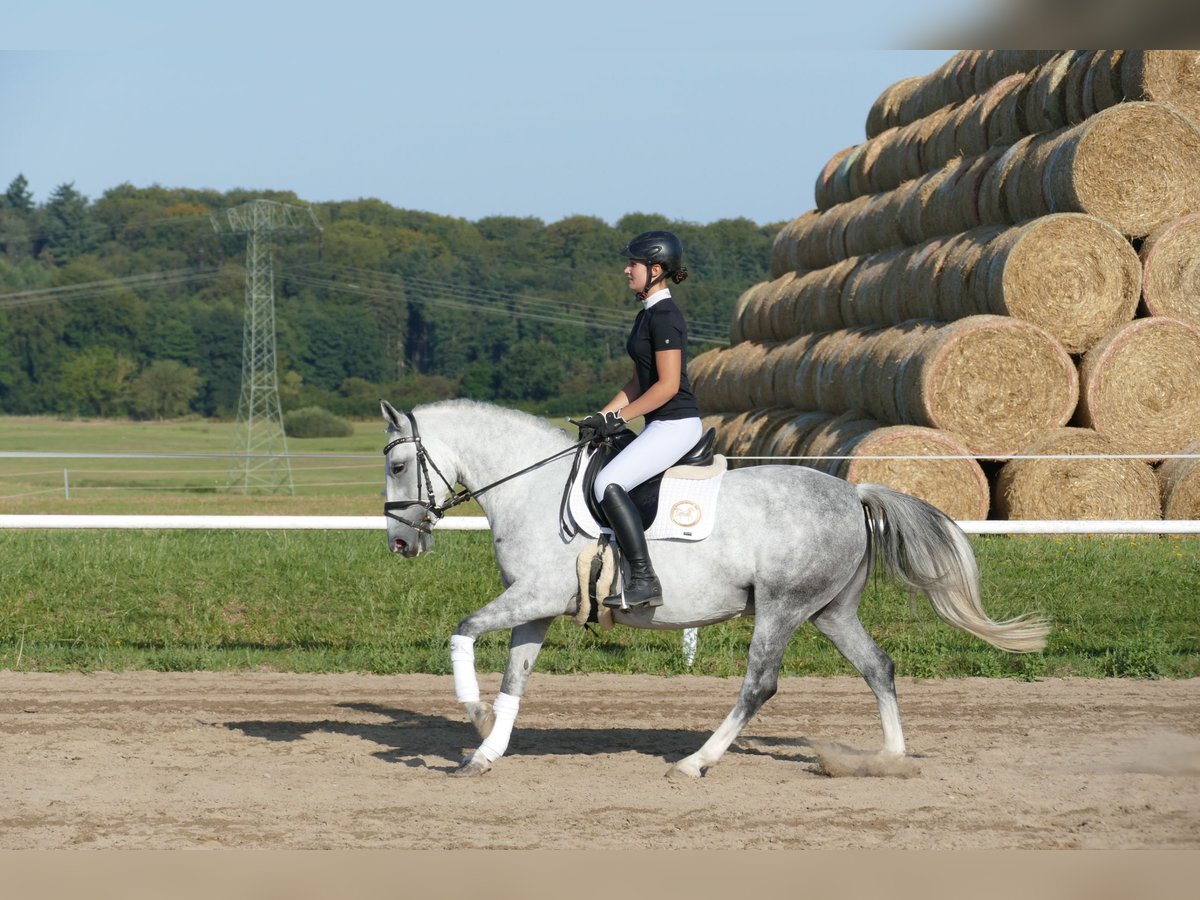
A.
pixel 643 588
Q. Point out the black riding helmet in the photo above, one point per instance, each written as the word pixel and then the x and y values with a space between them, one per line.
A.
pixel 656 247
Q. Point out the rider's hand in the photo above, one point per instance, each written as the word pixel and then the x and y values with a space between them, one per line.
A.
pixel 600 425
pixel 590 427
pixel 613 424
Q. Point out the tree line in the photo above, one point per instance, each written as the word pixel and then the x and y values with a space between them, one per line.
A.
pixel 132 304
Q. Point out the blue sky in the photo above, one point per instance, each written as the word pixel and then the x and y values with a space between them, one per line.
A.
pixel 697 110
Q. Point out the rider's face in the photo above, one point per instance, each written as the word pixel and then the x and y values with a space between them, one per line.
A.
pixel 638 273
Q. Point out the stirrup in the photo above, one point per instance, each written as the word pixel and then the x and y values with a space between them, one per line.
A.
pixel 618 601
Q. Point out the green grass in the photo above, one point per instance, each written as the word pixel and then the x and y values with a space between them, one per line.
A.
pixel 330 487
pixel 338 601
pixel 325 602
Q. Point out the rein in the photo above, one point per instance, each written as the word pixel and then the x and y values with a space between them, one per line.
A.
pixel 432 509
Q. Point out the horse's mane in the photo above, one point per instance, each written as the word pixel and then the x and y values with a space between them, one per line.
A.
pixel 513 417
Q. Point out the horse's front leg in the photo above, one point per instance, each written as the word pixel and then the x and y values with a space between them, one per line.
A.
pixel 529 618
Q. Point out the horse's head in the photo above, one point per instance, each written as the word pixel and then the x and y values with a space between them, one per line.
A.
pixel 410 504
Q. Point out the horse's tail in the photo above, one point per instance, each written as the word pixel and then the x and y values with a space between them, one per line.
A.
pixel 928 552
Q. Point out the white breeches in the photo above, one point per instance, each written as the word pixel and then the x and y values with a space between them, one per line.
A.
pixel 656 449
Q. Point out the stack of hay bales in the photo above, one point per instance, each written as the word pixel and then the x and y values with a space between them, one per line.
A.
pixel 1015 248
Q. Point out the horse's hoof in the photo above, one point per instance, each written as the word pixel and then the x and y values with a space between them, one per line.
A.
pixel 685 769
pixel 475 764
pixel 483 717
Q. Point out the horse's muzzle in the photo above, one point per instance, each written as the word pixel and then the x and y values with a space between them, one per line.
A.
pixel 406 549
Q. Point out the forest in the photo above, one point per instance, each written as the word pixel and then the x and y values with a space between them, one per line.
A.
pixel 132 304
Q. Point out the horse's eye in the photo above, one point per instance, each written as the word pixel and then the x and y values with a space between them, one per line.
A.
pixel 399 468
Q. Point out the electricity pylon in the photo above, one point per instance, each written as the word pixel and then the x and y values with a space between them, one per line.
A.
pixel 259 438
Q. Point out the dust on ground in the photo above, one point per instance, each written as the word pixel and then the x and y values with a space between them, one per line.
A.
pixel 261 760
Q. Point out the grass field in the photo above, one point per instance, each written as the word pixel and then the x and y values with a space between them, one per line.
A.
pixel 338 601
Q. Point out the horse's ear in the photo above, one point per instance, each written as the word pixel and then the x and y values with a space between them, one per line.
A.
pixel 390 413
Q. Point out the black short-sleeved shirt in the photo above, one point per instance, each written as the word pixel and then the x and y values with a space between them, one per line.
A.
pixel 661 327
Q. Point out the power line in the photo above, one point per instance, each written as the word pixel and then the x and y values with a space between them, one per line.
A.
pixel 483 299
pixel 91 289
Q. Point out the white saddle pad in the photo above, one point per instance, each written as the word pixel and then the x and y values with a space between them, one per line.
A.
pixel 687 504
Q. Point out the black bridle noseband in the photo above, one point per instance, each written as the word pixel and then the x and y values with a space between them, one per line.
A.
pixel 433 511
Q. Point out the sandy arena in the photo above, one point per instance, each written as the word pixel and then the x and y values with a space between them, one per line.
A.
pixel 151 760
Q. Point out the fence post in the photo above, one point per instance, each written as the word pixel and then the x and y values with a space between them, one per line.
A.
pixel 66 486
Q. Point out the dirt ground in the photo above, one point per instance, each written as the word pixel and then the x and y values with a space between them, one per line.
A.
pixel 150 760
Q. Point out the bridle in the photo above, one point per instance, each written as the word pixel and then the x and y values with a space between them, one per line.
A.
pixel 432 510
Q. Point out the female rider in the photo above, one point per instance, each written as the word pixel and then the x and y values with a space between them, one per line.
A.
pixel 658 391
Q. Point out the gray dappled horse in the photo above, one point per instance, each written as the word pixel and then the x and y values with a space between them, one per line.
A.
pixel 790 545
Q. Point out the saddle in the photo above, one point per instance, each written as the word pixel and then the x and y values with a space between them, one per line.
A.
pixel 696 474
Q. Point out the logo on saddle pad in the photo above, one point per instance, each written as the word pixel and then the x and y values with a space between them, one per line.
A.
pixel 687 504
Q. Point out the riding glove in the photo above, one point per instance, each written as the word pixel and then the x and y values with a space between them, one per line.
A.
pixel 600 426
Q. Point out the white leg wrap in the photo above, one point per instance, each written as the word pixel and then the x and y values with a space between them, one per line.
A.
pixel 462 660
pixel 505 708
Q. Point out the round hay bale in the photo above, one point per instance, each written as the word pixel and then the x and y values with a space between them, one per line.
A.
pixel 968 186
pixel 1024 188
pixel 742 431
pixel 931 139
pixel 781 251
pixel 895 163
pixel 864 291
pixel 1133 165
pixel 1138 386
pixel 971 127
pixel 899 364
pixel 700 369
pixel 802 361
pixel 835 391
pixel 733 378
pixel 1003 126
pixel 764 430
pixel 743 309
pixel 916 204
pixel 886 352
pixel 859 172
pixel 1076 488
pixel 950 284
pixel 777 309
pixel 917 289
pixel 1069 273
pixel 880 226
pixel 1073 89
pixel 1171 270
pixel 958 487
pixel 800 227
pixel 760 380
pixel 858 236
pixel 993 186
pixel 1167 76
pixel 823 448
pixel 1179 480
pixel 883 113
pixel 825 193
pixel 946 146
pixel 956 294
pixel 808 235
pixel 848 235
pixel 1046 110
pixel 943 213
pixel 1102 84
pixel 706 380
pixel 792 436
pixel 818 297
pixel 995 380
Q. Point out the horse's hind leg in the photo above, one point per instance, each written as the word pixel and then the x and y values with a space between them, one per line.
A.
pixel 839 622
pixel 767 646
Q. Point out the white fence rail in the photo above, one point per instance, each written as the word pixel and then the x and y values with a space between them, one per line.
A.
pixel 479 523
